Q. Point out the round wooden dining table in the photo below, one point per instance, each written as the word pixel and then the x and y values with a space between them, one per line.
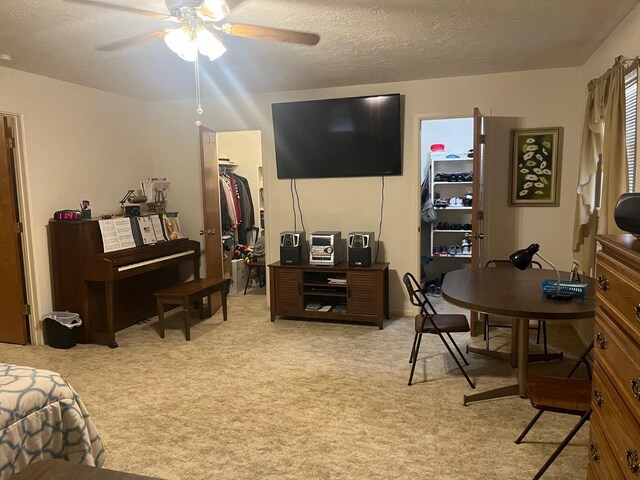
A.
pixel 514 293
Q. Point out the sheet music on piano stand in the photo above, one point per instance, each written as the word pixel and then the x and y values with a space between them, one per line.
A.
pixel 116 234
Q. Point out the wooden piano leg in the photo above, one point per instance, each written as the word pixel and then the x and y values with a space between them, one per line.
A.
pixel 160 316
pixel 110 328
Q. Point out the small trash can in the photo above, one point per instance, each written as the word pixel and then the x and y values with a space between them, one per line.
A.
pixel 61 329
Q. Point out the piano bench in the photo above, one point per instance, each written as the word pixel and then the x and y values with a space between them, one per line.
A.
pixel 191 292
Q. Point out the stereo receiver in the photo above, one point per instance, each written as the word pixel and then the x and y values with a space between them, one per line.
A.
pixel 325 248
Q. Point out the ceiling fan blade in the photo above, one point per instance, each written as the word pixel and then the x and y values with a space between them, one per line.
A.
pixel 122 8
pixel 129 42
pixel 268 33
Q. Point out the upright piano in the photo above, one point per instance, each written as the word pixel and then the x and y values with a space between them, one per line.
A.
pixel 114 290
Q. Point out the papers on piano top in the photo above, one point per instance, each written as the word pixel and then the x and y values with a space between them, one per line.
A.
pixel 172 226
pixel 156 223
pixel 129 232
pixel 147 233
pixel 156 189
pixel 116 234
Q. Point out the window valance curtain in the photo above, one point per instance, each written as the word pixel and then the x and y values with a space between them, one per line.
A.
pixel 602 176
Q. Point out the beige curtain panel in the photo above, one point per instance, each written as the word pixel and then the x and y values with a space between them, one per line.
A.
pixel 604 149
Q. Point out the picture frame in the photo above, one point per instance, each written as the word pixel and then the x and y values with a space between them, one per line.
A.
pixel 536 160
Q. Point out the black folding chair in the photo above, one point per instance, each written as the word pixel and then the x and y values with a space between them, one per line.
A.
pixel 561 395
pixel 429 321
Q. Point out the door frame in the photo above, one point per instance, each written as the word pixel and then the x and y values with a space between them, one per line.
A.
pixel 417 170
pixel 265 175
pixel 20 157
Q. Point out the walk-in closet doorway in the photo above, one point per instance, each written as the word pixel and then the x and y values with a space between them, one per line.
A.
pixel 233 203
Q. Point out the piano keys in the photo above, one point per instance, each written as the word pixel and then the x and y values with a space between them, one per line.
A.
pixel 114 290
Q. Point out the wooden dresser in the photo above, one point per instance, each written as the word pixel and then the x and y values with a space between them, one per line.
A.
pixel 615 422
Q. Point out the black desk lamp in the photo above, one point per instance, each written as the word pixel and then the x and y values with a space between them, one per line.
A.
pixel 522 259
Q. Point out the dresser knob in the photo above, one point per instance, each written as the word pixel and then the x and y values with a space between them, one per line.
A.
pixel 595 454
pixel 598 398
pixel 632 460
pixel 603 282
pixel 635 387
pixel 601 341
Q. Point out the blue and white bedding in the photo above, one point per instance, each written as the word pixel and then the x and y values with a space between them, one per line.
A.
pixel 42 417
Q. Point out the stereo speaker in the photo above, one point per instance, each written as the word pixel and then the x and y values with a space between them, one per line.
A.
pixel 627 213
pixel 360 248
pixel 292 249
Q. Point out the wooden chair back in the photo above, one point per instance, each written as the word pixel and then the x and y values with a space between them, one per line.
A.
pixel 508 264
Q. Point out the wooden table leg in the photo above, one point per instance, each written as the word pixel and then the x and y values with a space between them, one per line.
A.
pixel 201 307
pixel 515 328
pixel 160 316
pixel 187 326
pixel 523 356
pixel 223 294
pixel 521 326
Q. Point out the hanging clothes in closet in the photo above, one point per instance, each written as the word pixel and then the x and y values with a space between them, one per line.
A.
pixel 236 206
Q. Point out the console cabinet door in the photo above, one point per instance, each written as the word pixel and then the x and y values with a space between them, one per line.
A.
pixel 289 291
pixel 363 295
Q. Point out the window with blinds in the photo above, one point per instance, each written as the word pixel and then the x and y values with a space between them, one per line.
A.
pixel 631 101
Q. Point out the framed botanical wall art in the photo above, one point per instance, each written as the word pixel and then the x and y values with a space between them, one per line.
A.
pixel 535 166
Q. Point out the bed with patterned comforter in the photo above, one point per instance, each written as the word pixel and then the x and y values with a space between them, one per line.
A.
pixel 42 417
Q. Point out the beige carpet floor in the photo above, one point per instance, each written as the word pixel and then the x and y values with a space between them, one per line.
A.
pixel 251 399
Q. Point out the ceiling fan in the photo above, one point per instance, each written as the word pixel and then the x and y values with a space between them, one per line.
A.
pixel 199 25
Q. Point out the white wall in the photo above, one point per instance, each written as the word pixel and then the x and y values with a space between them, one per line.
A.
pixel 79 144
pixel 540 98
pixel 624 40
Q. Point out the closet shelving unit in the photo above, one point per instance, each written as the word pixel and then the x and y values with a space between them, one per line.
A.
pixel 449 214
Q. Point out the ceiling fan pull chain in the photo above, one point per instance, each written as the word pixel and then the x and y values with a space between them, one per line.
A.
pixel 199 110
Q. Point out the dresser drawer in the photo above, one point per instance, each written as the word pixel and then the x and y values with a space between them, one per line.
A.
pixel 617 424
pixel 617 355
pixel 602 463
pixel 617 290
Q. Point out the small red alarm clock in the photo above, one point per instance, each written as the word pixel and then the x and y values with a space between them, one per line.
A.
pixel 67 215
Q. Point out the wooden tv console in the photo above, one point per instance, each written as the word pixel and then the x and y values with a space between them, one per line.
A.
pixel 362 296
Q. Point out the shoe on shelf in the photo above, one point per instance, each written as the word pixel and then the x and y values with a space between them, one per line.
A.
pixel 443 251
pixel 452 250
pixel 466 249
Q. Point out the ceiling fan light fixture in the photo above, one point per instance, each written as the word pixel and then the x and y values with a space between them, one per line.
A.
pixel 182 43
pixel 209 45
pixel 215 9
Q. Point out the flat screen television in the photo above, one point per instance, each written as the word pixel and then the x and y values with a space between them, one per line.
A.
pixel 341 137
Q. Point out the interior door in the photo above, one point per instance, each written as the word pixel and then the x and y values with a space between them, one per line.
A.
pixel 212 225
pixel 14 322
pixel 477 211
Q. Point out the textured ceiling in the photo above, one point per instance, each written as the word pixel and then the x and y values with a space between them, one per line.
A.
pixel 361 41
